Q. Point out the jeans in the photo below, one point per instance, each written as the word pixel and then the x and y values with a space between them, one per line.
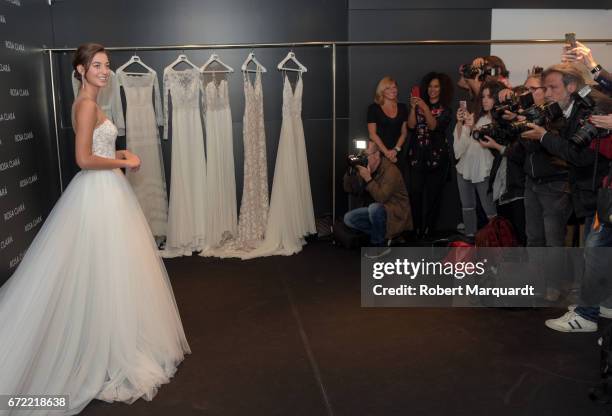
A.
pixel 467 193
pixel 548 206
pixel 596 268
pixel 371 220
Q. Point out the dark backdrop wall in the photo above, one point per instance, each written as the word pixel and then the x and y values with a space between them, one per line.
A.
pixel 28 174
pixel 224 22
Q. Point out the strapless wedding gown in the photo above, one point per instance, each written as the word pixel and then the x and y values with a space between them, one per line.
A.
pixel 90 312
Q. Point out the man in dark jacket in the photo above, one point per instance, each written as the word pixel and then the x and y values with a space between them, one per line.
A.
pixel 587 167
pixel 389 213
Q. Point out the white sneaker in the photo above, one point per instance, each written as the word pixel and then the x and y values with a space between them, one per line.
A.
pixel 572 307
pixel 605 312
pixel 571 322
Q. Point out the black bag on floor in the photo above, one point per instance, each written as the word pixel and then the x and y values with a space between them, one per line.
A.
pixel 348 237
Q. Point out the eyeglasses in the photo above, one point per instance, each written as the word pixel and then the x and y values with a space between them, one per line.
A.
pixel 534 89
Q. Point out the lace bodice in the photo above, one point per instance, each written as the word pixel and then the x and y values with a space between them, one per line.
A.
pixel 216 95
pixel 103 143
pixel 184 87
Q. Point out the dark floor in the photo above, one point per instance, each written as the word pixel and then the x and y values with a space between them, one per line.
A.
pixel 287 336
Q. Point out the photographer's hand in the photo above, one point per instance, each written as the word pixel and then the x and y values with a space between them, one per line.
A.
pixel 364 173
pixel 505 94
pixel 536 132
pixel 490 143
pixel 509 115
pixel 478 62
pixel 468 120
pixel 580 53
pixel 603 122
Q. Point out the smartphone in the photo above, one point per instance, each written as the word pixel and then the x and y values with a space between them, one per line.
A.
pixel 463 105
pixel 570 39
pixel 416 91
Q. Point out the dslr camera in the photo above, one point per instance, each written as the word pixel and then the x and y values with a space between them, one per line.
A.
pixel 360 159
pixel 468 71
pixel 505 132
pixel 587 130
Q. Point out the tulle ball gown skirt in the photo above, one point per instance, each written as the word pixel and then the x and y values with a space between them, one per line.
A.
pixel 90 312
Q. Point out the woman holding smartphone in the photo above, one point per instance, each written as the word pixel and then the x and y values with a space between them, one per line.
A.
pixel 428 156
pixel 475 161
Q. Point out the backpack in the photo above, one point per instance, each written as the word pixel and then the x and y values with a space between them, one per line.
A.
pixel 497 233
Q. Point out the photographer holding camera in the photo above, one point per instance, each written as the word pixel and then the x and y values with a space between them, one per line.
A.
pixel 386 207
pixel 482 69
pixel 587 167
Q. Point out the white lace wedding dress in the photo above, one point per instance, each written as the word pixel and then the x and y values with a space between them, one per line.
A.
pixel 291 214
pixel 142 138
pixel 221 218
pixel 254 205
pixel 187 211
pixel 90 311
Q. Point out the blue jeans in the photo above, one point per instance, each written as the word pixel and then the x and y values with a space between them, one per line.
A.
pixel 596 264
pixel 371 220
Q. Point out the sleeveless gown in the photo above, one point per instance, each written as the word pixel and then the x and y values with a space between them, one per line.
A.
pixel 90 311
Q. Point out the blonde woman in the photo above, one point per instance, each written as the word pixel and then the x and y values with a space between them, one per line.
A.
pixel 387 121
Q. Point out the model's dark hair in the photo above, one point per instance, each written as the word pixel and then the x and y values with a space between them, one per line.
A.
pixel 84 55
pixel 446 88
pixel 494 88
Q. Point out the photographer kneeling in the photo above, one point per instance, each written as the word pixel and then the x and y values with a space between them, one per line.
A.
pixel 587 167
pixel 386 211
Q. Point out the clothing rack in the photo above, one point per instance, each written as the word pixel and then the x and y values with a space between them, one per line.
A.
pixel 324 44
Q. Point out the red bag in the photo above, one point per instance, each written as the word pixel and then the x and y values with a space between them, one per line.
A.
pixel 497 233
pixel 605 146
pixel 460 252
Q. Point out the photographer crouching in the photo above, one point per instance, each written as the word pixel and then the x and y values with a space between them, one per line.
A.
pixel 386 207
pixel 577 142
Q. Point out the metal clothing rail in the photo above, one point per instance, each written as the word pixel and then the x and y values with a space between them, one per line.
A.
pixel 325 44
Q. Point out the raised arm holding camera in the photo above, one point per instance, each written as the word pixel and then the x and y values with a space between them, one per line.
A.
pixel 581 53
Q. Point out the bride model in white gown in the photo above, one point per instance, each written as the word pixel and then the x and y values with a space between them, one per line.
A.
pixel 90 312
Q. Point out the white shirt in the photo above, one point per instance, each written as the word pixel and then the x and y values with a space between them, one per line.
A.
pixel 475 161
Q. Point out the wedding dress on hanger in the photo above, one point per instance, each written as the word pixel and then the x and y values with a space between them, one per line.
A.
pixel 221 218
pixel 254 205
pixel 187 210
pixel 142 138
